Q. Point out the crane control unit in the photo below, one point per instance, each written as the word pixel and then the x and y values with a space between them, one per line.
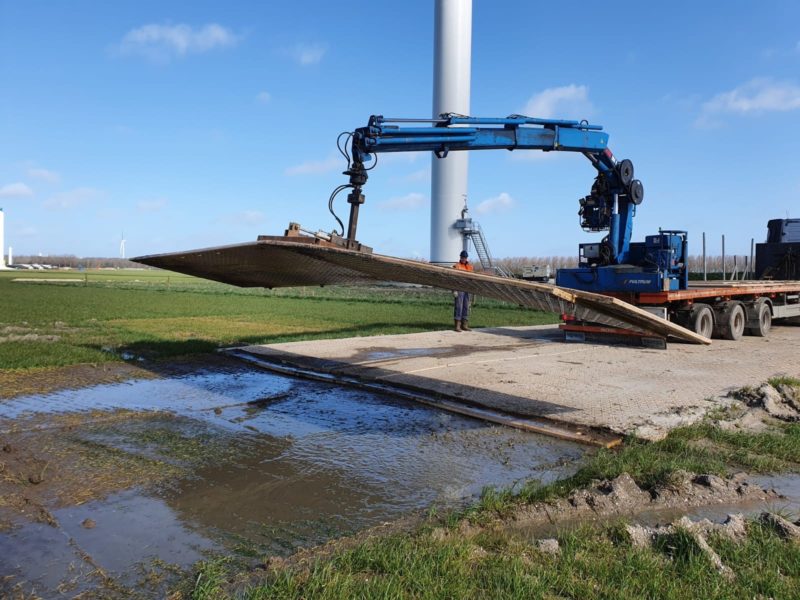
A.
pixel 613 265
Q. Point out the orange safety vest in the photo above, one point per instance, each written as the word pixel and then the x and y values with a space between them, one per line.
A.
pixel 463 267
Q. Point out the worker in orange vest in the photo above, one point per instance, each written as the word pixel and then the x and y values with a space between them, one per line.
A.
pixel 461 311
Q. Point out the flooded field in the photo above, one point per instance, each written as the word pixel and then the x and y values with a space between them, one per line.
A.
pixel 117 488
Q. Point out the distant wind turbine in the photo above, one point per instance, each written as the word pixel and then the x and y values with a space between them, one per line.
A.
pixel 122 246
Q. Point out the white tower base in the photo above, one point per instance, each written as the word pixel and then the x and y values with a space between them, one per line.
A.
pixel 451 91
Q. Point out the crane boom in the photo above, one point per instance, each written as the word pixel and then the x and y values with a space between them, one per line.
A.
pixel 608 207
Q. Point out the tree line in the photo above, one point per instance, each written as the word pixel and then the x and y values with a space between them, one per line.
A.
pixel 514 264
pixel 70 261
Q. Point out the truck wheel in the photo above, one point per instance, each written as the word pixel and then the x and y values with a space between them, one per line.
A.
pixel 730 321
pixel 701 320
pixel 759 318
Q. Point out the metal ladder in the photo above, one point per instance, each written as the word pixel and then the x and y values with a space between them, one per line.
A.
pixel 472 232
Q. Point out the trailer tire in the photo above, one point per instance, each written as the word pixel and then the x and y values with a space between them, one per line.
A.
pixel 730 320
pixel 759 318
pixel 701 320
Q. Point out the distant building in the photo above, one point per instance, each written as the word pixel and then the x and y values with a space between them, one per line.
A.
pixel 2 239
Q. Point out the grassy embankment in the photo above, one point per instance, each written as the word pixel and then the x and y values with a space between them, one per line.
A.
pixel 154 314
pixel 595 561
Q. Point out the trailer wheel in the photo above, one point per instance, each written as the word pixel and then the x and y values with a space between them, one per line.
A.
pixel 701 320
pixel 730 321
pixel 759 318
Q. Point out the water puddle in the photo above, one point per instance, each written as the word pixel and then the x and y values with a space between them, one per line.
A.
pixel 787 485
pixel 143 478
pixel 382 354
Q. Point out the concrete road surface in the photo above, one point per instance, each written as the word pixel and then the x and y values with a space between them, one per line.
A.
pixel 532 371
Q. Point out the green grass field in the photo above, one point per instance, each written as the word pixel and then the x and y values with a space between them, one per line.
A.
pixel 56 318
pixel 592 564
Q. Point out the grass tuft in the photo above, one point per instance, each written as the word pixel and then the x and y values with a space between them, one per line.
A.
pixel 790 381
pixel 210 579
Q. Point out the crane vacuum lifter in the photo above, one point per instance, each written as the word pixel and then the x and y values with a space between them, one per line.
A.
pixel 613 265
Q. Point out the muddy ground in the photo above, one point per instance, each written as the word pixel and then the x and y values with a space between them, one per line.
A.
pixel 115 480
pixel 118 487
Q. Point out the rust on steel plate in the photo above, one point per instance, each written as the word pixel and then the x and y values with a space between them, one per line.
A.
pixel 276 262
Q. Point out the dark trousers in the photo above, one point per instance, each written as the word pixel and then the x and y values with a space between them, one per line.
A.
pixel 461 309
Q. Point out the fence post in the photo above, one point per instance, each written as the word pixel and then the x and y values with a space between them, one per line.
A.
pixel 705 265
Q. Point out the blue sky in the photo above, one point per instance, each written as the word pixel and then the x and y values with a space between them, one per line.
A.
pixel 192 124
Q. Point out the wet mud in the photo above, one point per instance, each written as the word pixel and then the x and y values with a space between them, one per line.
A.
pixel 687 494
pixel 115 489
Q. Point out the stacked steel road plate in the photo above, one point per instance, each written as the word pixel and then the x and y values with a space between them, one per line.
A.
pixel 277 262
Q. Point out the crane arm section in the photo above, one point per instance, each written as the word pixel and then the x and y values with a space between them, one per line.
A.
pixel 470 133
pixel 609 206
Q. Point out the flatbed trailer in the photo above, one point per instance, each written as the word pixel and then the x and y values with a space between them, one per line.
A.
pixel 724 309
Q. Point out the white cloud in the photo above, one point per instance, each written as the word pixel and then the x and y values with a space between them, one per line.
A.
pixel 420 175
pixel 756 97
pixel 151 206
pixel 15 190
pixel 161 42
pixel 43 175
pixel 245 217
pixel 500 203
pixel 569 102
pixel 307 54
pixel 263 97
pixel 318 167
pixel 72 198
pixel 252 217
pixel 402 203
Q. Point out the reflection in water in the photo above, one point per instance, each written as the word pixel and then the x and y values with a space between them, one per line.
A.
pixel 296 463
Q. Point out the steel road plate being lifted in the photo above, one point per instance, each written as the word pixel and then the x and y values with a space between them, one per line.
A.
pixel 299 261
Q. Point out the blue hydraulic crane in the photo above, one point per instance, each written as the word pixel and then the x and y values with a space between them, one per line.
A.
pixel 613 265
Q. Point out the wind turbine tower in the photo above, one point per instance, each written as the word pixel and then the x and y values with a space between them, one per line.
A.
pixel 452 62
pixel 122 246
